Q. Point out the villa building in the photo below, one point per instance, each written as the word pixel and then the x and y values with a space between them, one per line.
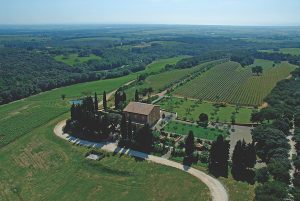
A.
pixel 142 113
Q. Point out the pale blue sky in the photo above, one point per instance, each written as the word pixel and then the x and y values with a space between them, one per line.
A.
pixel 203 12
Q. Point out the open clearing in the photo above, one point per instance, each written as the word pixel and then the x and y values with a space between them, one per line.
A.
pixel 191 109
pixel 292 51
pixel 230 83
pixel 73 59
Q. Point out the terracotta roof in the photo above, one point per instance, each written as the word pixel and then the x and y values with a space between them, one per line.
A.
pixel 139 108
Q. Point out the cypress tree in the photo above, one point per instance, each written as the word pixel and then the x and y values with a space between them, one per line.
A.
pixel 124 130
pixel 136 96
pixel 237 160
pixel 73 112
pixel 104 101
pixel 117 99
pixel 243 159
pixel 96 102
pixel 190 144
pixel 218 157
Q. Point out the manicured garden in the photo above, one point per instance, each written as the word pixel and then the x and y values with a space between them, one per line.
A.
pixel 189 110
pixel 199 132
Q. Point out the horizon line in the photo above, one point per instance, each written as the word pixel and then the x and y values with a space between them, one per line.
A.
pixel 141 24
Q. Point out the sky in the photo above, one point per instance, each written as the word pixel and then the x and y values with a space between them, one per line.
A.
pixel 191 12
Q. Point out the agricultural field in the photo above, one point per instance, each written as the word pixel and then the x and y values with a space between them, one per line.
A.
pixel 199 132
pixel 73 59
pixel 161 81
pixel 189 110
pixel 292 51
pixel 230 83
pixel 157 81
pixel 40 166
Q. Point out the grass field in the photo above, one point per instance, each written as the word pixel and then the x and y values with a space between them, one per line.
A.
pixel 19 118
pixel 203 133
pixel 40 166
pixel 191 109
pixel 292 51
pixel 73 59
pixel 230 83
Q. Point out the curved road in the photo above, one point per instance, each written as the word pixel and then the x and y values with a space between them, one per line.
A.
pixel 217 190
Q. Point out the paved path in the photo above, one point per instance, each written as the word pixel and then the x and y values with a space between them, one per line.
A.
pixel 217 190
pixel 292 152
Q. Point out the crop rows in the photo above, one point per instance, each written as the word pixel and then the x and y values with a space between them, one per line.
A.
pixel 230 83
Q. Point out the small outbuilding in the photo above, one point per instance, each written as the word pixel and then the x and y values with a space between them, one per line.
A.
pixel 142 113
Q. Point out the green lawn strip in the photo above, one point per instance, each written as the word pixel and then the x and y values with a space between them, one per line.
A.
pixel 41 166
pixel 199 132
pixel 84 89
pixel 159 64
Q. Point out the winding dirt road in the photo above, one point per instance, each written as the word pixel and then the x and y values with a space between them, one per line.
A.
pixel 217 190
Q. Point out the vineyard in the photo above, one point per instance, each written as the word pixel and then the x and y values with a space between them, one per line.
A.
pixel 230 83
pixel 166 79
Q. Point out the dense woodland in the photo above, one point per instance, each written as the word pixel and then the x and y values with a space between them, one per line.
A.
pixel 271 141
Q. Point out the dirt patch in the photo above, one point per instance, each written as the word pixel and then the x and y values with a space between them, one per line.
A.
pixel 264 105
pixel 32 158
pixel 16 112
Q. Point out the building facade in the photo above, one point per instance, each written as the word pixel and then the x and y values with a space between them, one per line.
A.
pixel 142 113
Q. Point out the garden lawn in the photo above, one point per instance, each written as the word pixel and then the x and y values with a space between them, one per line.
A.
pixel 189 110
pixel 199 132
